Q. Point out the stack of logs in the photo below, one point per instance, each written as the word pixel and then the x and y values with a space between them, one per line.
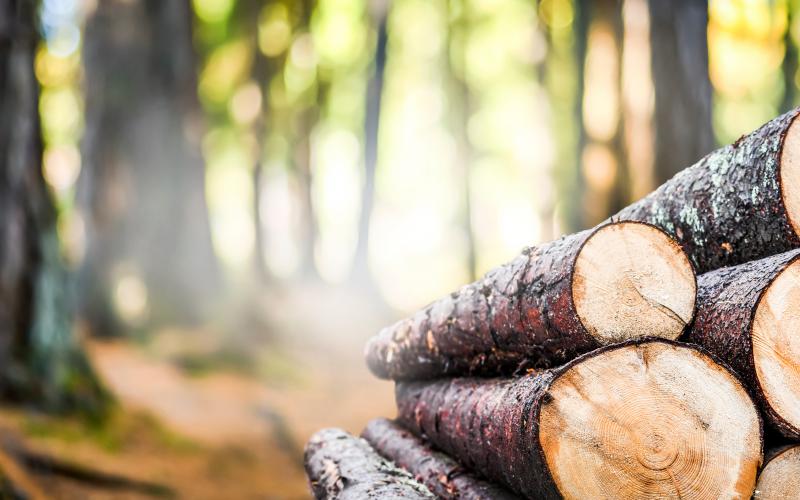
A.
pixel 654 356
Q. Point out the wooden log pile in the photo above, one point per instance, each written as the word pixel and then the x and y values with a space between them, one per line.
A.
pixel 600 365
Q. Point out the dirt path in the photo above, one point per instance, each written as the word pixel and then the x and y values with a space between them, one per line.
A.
pixel 222 435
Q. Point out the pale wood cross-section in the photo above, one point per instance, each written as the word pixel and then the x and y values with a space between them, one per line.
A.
pixel 780 478
pixel 654 420
pixel 632 281
pixel 776 344
pixel 790 175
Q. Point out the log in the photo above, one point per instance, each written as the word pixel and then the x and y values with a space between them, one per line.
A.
pixel 341 466
pixel 780 477
pixel 739 203
pixel 620 281
pixel 747 315
pixel 443 476
pixel 643 419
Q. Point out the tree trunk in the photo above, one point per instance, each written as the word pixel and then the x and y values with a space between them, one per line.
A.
pixel 739 203
pixel 679 59
pixel 340 466
pixel 372 120
pixel 780 476
pixel 746 315
pixel 445 477
pixel 460 100
pixel 41 362
pixel 143 181
pixel 655 419
pixel 247 14
pixel 789 65
pixel 306 119
pixel 551 303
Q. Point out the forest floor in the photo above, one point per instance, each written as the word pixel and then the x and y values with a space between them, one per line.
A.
pixel 204 425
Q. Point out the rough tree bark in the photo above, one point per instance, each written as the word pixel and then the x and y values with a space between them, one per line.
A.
pixel 39 358
pixel 780 476
pixel 739 203
pixel 142 185
pixel 746 315
pixel 638 420
pixel 679 60
pixel 548 305
pixel 340 466
pixel 445 477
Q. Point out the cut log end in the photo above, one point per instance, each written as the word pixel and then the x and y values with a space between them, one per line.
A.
pixel 790 174
pixel 776 344
pixel 631 281
pixel 655 420
pixel 780 478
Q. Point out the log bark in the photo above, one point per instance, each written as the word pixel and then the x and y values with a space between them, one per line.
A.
pixel 746 315
pixel 341 466
pixel 739 203
pixel 550 304
pixel 780 476
pixel 445 477
pixel 651 419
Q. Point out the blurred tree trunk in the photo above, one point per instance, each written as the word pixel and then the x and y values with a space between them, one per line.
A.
pixel 461 104
pixel 563 75
pixel 263 70
pixel 789 66
pixel 143 183
pixel 39 358
pixel 679 48
pixel 379 15
pixel 307 118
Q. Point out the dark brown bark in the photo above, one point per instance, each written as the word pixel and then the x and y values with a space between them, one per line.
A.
pixel 727 300
pixel 341 466
pixel 679 60
pixel 40 362
pixel 490 425
pixel 522 311
pixel 142 185
pixel 445 477
pixel 727 208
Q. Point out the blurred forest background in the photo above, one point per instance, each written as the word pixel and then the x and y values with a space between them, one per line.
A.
pixel 207 206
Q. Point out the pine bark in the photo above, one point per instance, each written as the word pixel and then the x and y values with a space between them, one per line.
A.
pixel 340 466
pixel 520 312
pixel 445 477
pixel 727 300
pixel 727 208
pixel 490 425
